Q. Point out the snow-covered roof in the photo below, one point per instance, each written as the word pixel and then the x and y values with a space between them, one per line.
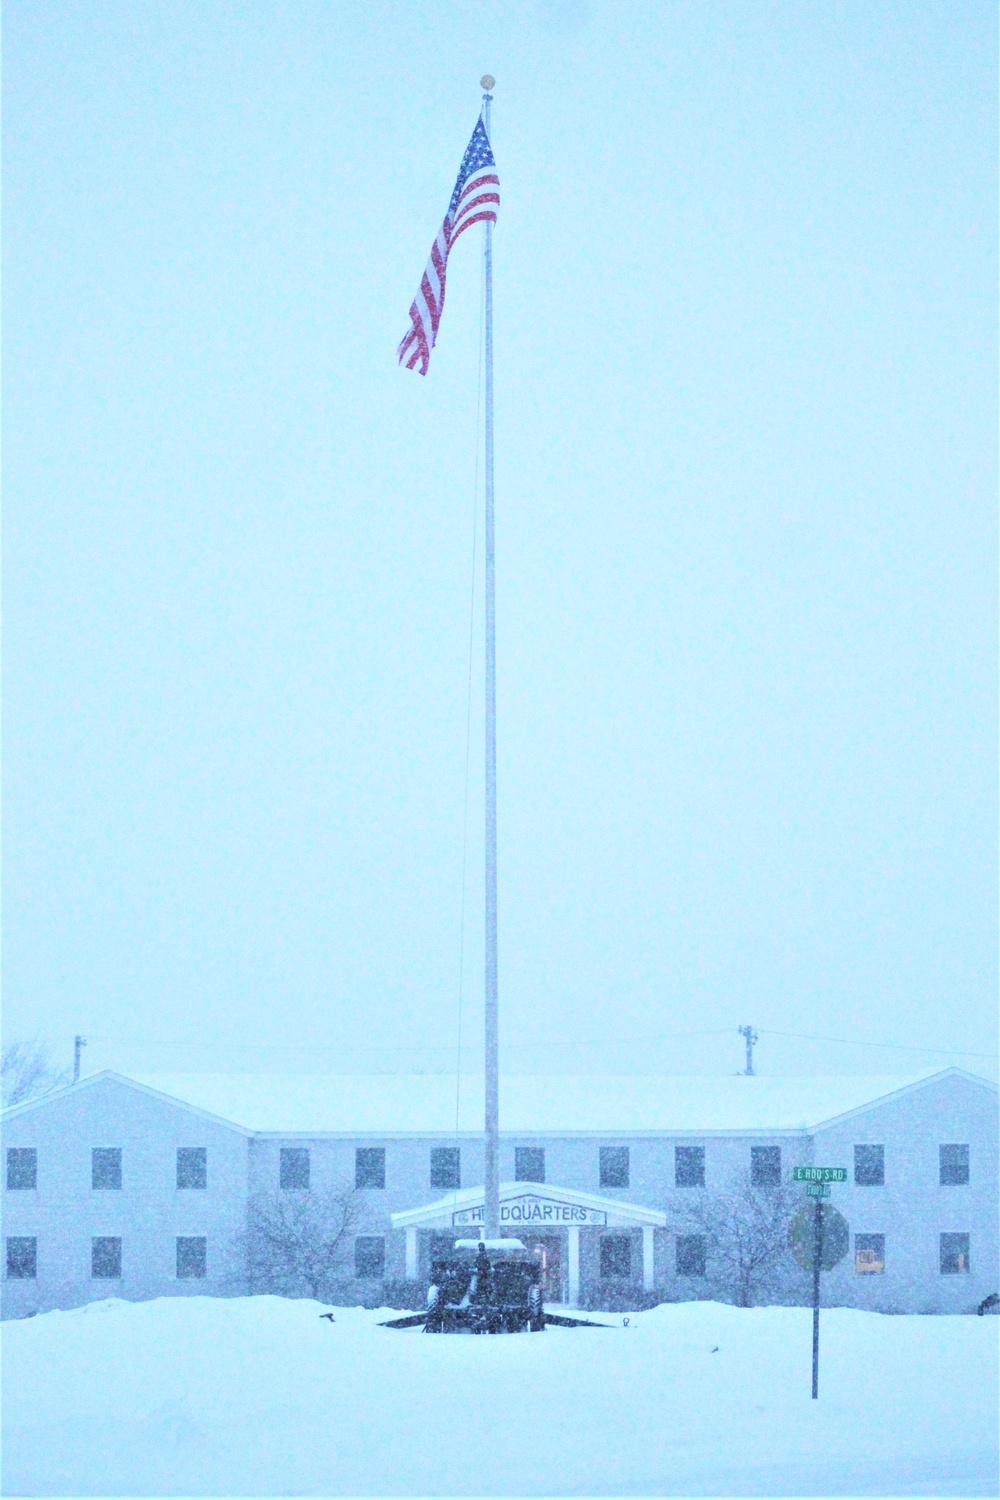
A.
pixel 394 1104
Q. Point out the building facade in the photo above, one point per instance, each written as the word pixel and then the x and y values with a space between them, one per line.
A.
pixel 114 1187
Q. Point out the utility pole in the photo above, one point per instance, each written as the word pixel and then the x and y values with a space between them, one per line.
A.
pixel 79 1042
pixel 751 1037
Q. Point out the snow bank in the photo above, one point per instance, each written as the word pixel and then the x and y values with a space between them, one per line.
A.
pixel 260 1396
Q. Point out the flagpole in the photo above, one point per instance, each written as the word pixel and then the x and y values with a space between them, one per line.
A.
pixel 491 1166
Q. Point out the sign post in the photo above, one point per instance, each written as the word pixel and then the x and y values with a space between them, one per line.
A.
pixel 820 1244
pixel 817 1257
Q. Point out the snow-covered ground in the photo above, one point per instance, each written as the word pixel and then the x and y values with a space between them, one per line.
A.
pixel 196 1396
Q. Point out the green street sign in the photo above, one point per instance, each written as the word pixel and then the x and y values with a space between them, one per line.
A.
pixel 818 1190
pixel 834 1236
pixel 819 1174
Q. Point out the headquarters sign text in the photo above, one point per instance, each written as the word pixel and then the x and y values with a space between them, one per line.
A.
pixel 533 1210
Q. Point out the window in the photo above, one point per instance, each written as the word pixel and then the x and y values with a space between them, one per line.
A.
pixel 369 1256
pixel 869 1254
pixel 690 1255
pixel 614 1166
pixel 689 1166
pixel 954 1254
pixel 446 1169
pixel 106 1167
pixel 616 1257
pixel 106 1258
pixel 22 1167
pixel 192 1257
pixel 369 1167
pixel 869 1166
pixel 765 1166
pixel 294 1169
pixel 952 1160
pixel 192 1167
pixel 22 1258
pixel 529 1164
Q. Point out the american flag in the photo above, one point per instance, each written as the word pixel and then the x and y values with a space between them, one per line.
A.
pixel 475 200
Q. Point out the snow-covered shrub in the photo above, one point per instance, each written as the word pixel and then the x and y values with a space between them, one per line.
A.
pixel 298 1243
pixel 347 1291
pixel 407 1296
pixel 745 1228
pixel 622 1297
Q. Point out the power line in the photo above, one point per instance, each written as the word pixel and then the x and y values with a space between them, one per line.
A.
pixel 605 1041
pixel 600 1041
pixel 848 1041
pixel 611 1041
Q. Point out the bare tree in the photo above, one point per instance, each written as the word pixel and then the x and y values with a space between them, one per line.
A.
pixel 746 1236
pixel 28 1071
pixel 297 1242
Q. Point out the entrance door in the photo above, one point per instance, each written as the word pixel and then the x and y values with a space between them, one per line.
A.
pixel 547 1249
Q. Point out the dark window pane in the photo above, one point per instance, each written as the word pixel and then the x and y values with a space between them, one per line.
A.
pixel 294 1170
pixel 614 1166
pixel 689 1166
pixel 369 1167
pixel 765 1165
pixel 954 1164
pixel 106 1258
pixel 954 1254
pixel 192 1256
pixel 192 1167
pixel 690 1255
pixel 106 1167
pixel 869 1253
pixel 446 1167
pixel 616 1256
pixel 22 1258
pixel 869 1166
pixel 22 1167
pixel 369 1256
pixel 529 1164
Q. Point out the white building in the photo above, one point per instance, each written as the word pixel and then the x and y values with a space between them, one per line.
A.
pixel 140 1188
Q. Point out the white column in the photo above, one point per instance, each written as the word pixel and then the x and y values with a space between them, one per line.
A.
pixel 411 1255
pixel 574 1265
pixel 647 1258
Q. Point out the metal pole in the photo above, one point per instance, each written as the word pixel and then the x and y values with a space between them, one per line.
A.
pixel 817 1256
pixel 491 1169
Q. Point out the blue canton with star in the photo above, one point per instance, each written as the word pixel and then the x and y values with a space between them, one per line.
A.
pixel 478 154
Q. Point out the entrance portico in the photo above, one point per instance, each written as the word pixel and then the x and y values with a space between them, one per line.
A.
pixel 543 1215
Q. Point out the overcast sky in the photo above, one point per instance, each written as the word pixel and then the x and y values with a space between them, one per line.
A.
pixel 745 366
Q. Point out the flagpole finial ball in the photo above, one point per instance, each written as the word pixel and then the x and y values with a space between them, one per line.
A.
pixel 487 82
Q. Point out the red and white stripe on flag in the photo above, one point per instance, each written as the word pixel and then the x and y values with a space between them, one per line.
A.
pixel 475 200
